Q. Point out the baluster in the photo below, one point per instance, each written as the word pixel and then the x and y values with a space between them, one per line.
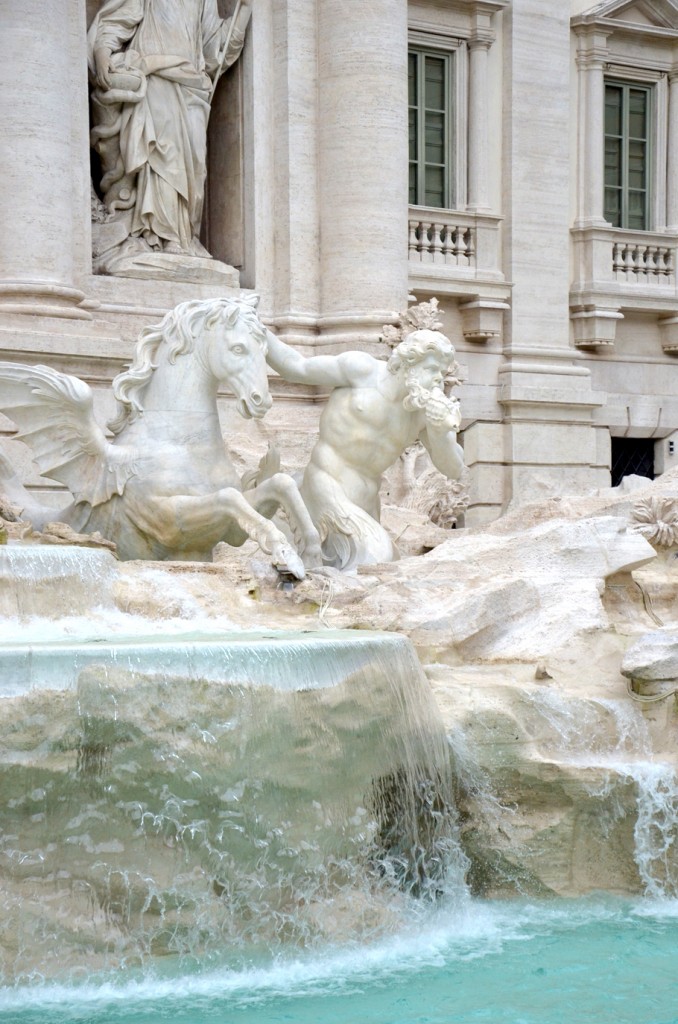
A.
pixel 669 262
pixel 437 243
pixel 425 241
pixel 459 246
pixel 663 260
pixel 629 265
pixel 413 240
pixel 448 244
pixel 469 242
pixel 641 264
pixel 652 261
pixel 617 258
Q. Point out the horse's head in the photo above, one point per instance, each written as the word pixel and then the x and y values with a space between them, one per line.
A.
pixel 234 345
pixel 224 337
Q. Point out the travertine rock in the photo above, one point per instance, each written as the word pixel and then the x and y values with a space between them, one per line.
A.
pixel 654 657
pixel 522 628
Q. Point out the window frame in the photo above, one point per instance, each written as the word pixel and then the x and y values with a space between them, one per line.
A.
pixel 454 48
pixel 421 110
pixel 656 82
pixel 624 189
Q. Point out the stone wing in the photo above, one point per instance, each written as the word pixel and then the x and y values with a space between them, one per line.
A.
pixel 55 416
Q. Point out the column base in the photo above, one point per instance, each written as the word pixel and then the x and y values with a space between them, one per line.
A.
pixel 42 299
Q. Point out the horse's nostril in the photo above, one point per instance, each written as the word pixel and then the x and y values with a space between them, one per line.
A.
pixel 256 398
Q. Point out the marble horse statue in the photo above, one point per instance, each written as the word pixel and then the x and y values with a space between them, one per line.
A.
pixel 164 486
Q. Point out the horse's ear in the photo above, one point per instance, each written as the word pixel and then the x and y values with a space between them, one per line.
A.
pixel 251 300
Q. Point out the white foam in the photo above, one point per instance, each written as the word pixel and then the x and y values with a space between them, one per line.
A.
pixel 474 930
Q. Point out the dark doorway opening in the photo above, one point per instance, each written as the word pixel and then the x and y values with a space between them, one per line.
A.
pixel 632 456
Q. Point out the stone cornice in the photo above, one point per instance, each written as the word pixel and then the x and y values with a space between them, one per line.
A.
pixel 488 7
pixel 593 47
pixel 602 17
pixel 662 17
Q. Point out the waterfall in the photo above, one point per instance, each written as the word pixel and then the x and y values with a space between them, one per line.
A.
pixel 201 793
pixel 612 735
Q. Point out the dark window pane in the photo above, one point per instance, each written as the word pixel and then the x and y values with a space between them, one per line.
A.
pixel 435 139
pixel 413 134
pixel 413 185
pixel 613 207
pixel 412 79
pixel 613 110
pixel 435 83
pixel 637 210
pixel 637 165
pixel 435 186
pixel 613 161
pixel 637 114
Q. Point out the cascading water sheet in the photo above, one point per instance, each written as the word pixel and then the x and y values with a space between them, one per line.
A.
pixel 212 795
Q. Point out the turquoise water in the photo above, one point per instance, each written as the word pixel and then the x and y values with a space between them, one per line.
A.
pixel 579 962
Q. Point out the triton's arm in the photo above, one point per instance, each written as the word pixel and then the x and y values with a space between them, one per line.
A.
pixel 349 369
pixel 439 436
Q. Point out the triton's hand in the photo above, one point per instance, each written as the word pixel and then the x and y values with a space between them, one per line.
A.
pixel 443 414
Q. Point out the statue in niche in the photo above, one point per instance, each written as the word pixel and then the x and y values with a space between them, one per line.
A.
pixel 155 65
pixel 164 487
pixel 376 410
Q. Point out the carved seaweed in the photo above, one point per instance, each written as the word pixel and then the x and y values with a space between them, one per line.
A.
pixel 657 520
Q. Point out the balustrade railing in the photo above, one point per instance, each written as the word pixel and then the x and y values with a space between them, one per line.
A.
pixel 640 263
pixel 444 241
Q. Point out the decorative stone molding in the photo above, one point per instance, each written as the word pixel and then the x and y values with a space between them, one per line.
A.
pixel 595 327
pixel 668 333
pixel 657 520
pixel 482 319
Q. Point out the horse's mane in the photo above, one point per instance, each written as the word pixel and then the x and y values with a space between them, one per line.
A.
pixel 178 331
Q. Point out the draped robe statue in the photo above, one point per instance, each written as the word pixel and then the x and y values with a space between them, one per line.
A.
pixel 155 64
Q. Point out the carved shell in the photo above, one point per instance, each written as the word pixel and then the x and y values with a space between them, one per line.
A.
pixel 657 520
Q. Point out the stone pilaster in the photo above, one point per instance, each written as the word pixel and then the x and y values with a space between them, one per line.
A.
pixel 479 44
pixel 362 130
pixel 672 155
pixel 287 203
pixel 591 58
pixel 550 445
pixel 44 159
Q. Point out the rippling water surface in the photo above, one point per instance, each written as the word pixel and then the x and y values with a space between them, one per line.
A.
pixel 504 963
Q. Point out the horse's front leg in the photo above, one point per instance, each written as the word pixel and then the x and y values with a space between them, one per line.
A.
pixel 180 522
pixel 280 491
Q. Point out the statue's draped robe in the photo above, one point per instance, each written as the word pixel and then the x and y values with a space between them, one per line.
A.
pixel 179 46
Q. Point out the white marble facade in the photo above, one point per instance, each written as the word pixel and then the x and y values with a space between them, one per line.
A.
pixel 566 328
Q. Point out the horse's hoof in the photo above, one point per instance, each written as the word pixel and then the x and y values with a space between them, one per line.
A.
pixel 287 561
pixel 313 557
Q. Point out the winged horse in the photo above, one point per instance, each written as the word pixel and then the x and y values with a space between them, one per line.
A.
pixel 164 486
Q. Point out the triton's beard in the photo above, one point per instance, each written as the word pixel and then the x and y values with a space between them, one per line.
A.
pixel 417 397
